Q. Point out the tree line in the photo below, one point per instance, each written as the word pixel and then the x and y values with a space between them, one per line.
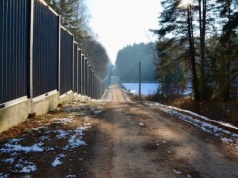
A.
pixel 198 43
pixel 127 62
pixel 75 17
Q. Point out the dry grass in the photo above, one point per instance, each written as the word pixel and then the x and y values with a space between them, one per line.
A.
pixel 215 110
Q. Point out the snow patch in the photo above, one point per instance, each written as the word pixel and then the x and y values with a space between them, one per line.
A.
pixel 215 130
pixel 177 172
pixel 25 166
pixel 63 121
pixel 61 134
pixel 29 168
pixel 226 140
pixel 11 147
pixel 57 161
pixel 4 175
pixel 71 176
pixel 140 123
pixel 74 142
pixel 9 160
pixel 97 112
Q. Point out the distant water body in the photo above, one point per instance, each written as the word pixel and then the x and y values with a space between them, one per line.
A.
pixel 146 88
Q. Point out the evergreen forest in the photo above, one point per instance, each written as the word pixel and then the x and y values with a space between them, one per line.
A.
pixel 198 45
pixel 128 59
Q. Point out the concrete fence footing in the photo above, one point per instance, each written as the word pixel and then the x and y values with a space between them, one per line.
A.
pixel 15 114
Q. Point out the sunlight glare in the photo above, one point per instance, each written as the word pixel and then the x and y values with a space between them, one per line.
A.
pixel 185 3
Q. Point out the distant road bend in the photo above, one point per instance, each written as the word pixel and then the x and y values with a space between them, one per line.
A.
pixel 136 141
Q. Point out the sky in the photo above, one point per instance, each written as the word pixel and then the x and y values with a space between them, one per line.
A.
pixel 119 23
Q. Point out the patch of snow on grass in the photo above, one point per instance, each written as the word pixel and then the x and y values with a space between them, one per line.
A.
pixel 226 140
pixel 177 172
pixel 29 168
pixel 9 160
pixel 63 120
pixel 74 142
pixel 4 175
pixel 11 147
pixel 57 160
pixel 42 138
pixel 133 91
pixel 97 112
pixel 201 124
pixel 71 176
pixel 25 166
pixel 15 140
pixel 61 134
pixel 140 123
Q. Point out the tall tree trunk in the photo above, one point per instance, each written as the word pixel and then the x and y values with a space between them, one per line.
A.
pixel 192 53
pixel 202 29
pixel 227 89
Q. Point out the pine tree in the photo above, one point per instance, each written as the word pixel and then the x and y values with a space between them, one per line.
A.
pixel 173 23
pixel 228 41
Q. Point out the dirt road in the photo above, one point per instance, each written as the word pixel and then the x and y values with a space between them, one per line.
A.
pixel 134 140
pixel 118 139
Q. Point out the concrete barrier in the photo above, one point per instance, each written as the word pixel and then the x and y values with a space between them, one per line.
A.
pixel 67 97
pixel 80 97
pixel 14 114
pixel 17 111
pixel 76 97
pixel 43 104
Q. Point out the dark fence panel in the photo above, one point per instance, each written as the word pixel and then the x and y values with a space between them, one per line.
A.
pixel 75 66
pixel 45 50
pixel 14 49
pixel 83 76
pixel 90 82
pixel 66 61
pixel 79 71
pixel 86 77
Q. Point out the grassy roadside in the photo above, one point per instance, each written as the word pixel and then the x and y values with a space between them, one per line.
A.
pixel 215 110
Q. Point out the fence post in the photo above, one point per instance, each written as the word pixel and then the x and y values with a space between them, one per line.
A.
pixel 73 67
pixel 59 43
pixel 140 81
pixel 31 54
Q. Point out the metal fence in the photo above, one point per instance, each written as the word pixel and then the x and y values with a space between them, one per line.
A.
pixel 14 49
pixel 45 49
pixel 79 80
pixel 38 56
pixel 83 76
pixel 75 69
pixel 66 61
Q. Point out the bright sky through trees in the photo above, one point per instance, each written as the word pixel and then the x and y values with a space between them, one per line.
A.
pixel 122 22
pixel 185 3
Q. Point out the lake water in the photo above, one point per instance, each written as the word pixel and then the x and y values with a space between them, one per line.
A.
pixel 146 88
